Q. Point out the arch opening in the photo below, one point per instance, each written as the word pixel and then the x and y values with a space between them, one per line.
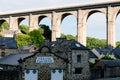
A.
pixel 4 25
pixel 92 13
pixel 23 25
pixel 65 15
pixel 96 30
pixel 45 23
pixel 69 26
pixel 117 29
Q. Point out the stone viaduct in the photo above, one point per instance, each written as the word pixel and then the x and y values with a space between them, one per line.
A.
pixel 82 13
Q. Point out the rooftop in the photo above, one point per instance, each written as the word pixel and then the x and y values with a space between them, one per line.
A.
pixel 9 42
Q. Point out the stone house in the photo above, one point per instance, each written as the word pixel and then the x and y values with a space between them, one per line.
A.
pixel 58 60
pixel 8 45
pixel 101 52
pixel 106 69
pixel 27 49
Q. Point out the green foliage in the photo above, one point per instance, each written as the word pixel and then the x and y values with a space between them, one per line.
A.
pixel 24 29
pixel 118 44
pixel 68 37
pixel 47 31
pixel 107 57
pixel 93 42
pixel 37 37
pixel 0 29
pixel 4 25
pixel 1 35
pixel 23 39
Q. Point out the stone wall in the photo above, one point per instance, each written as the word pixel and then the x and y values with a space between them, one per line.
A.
pixel 44 69
pixel 83 64
pixel 9 51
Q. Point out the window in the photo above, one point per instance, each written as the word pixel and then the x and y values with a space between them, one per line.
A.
pixel 2 54
pixel 78 58
pixel 78 70
pixel 45 50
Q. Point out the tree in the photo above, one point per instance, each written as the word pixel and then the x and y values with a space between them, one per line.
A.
pixel 68 37
pixel 24 29
pixel 91 42
pixel 1 35
pixel 107 57
pixel 47 31
pixel 118 44
pixel 4 25
pixel 37 37
pixel 23 40
pixel 94 42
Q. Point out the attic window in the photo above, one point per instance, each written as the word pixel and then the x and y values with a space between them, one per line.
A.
pixel 78 45
pixel 53 45
pixel 45 50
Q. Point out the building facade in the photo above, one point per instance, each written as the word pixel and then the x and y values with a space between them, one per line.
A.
pixel 58 60
pixel 8 45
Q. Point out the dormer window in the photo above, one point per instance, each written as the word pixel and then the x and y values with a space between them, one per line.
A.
pixel 78 45
pixel 45 50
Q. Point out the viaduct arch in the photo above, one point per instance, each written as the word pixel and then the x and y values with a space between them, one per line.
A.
pixel 82 13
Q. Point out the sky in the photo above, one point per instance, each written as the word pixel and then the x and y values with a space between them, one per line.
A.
pixel 96 24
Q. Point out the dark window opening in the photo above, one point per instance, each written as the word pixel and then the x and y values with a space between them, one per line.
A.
pixel 2 54
pixel 78 58
pixel 78 70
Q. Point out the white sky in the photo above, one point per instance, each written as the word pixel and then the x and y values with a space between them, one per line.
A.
pixel 96 23
pixel 16 5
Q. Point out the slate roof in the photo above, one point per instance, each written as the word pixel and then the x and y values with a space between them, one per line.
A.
pixel 9 42
pixel 111 63
pixel 116 52
pixel 61 47
pixel 12 59
pixel 102 50
pixel 92 55
pixel 26 47
pixel 99 51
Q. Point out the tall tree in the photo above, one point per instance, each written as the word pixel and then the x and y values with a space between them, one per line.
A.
pixel 24 29
pixel 47 31
pixel 68 37
pixel 23 39
pixel 37 37
pixel 94 42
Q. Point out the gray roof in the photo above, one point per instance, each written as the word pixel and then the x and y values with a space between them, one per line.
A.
pixel 12 59
pixel 9 42
pixel 92 55
pixel 102 50
pixel 63 47
pixel 26 47
pixel 116 52
pixel 111 63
